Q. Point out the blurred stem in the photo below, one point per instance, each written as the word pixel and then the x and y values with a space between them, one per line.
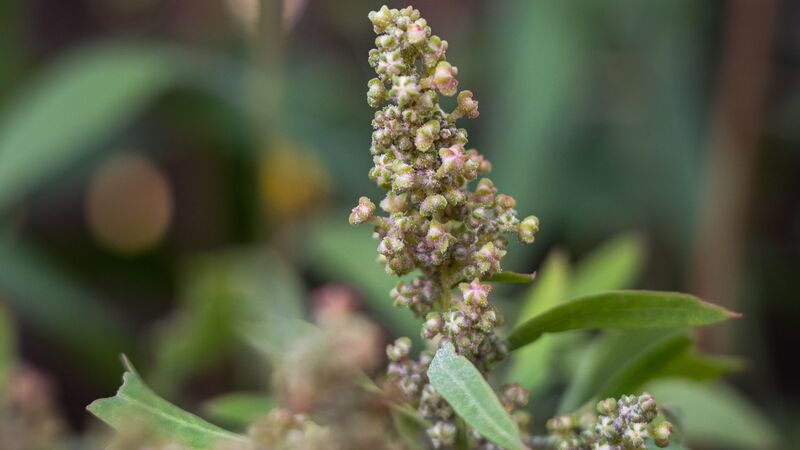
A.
pixel 720 236
pixel 267 78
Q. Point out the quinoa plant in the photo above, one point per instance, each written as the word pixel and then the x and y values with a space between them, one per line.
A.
pixel 444 230
pixel 453 235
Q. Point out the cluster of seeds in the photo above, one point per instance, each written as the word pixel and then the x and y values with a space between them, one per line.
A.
pixel 624 424
pixel 435 224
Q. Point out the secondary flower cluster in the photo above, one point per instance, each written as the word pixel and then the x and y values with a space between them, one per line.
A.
pixel 453 236
pixel 624 424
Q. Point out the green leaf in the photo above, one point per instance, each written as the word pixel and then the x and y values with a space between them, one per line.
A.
pixel 701 367
pixel 135 405
pixel 238 409
pixel 615 265
pixel 80 100
pixel 622 310
pixel 715 415
pixel 512 277
pixel 463 386
pixel 343 252
pixel 613 355
pixel 531 366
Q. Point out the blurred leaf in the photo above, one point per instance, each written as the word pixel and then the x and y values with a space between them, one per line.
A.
pixel 645 366
pixel 273 336
pixel 81 99
pixel 715 415
pixel 238 409
pixel 223 294
pixel 615 265
pixel 463 386
pixel 343 252
pixel 512 277
pixel 54 304
pixel 532 365
pixel 612 355
pixel 622 310
pixel 701 367
pixel 136 406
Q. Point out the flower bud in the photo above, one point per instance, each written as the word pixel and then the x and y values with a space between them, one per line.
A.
pixel 433 205
pixel 514 396
pixel 400 349
pixel 417 31
pixel 376 92
pixel 403 176
pixel 404 90
pixel 467 105
pixel 444 78
pixel 433 325
pixel 363 212
pixel 442 434
pixel 484 192
pixel 489 257
pixel 662 433
pixel 395 203
pixel 381 18
pixel 527 229
pixel 505 202
pixel 607 407
pixel 390 63
pixel 475 293
pixel 426 134
pixel 453 160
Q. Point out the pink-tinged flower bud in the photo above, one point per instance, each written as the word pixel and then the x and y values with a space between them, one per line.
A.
pixel 662 433
pixel 484 192
pixel 426 134
pixel 395 203
pixel 390 63
pixel 400 349
pixel 527 229
pixel 560 424
pixel 381 18
pixel 436 232
pixel 432 205
pixel 376 93
pixel 453 160
pixel 488 258
pixel 404 90
pixel 514 396
pixel 363 212
pixel 467 105
pixel 417 31
pixel 475 293
pixel 505 202
pixel 444 78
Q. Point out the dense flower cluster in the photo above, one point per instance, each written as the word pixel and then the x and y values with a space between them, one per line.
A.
pixel 624 424
pixel 453 236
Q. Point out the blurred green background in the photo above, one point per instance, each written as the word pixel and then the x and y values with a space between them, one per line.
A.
pixel 158 155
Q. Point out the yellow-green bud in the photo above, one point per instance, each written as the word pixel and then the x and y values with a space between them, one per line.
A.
pixel 527 230
pixel 661 434
pixel 444 78
pixel 376 93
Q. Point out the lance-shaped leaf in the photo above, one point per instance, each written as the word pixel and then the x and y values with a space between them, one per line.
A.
pixel 463 386
pixel 137 407
pixel 621 310
pixel 507 276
